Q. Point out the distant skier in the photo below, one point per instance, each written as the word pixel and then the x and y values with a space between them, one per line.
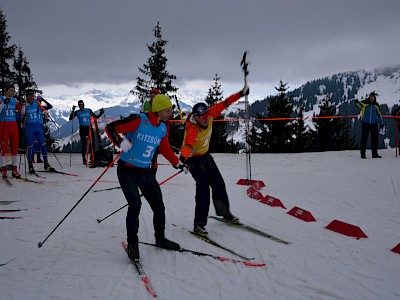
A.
pixel 34 132
pixel 201 164
pixel 9 129
pixel 370 116
pixel 84 115
pixel 43 119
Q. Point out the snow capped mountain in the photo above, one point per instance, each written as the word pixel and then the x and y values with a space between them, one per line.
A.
pixel 116 103
pixel 342 89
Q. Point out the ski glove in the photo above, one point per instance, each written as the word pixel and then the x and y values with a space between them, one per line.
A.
pixel 245 91
pixel 184 167
pixel 7 100
pixel 125 145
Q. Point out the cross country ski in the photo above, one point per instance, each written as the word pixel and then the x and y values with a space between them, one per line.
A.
pixel 11 210
pixel 7 181
pixel 214 243
pixel 141 272
pixel 220 258
pixel 251 229
pixel 58 172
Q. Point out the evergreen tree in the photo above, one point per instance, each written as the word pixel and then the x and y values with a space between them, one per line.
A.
pixel 281 132
pixel 302 141
pixel 155 69
pixel 24 78
pixel 215 93
pixel 258 135
pixel 332 134
pixel 219 135
pixel 7 53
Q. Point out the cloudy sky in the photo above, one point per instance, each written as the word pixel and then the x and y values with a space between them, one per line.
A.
pixel 74 45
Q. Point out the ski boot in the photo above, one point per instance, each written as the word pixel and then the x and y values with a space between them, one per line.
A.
pixel 15 173
pixel 4 172
pixel 133 251
pixel 31 169
pixel 200 230
pixel 47 167
pixel 229 218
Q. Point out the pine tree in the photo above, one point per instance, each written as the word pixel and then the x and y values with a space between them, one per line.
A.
pixel 281 132
pixel 24 78
pixel 215 93
pixel 155 69
pixel 219 135
pixel 303 137
pixel 332 134
pixel 7 53
pixel 258 135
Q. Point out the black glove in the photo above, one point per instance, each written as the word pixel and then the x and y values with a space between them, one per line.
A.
pixel 73 107
pixel 22 101
pixel 182 166
pixel 182 159
pixel 7 100
pixel 101 111
pixel 245 91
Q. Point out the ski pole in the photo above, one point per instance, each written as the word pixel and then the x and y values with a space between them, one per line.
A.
pixel 244 64
pixel 161 183
pixel 108 189
pixel 40 244
pixel 179 109
pixel 58 160
pixel 72 134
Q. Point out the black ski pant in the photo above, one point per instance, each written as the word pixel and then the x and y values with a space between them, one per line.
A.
pixel 207 175
pixel 84 133
pixel 367 128
pixel 131 180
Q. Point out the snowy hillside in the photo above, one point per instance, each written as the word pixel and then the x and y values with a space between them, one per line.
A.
pixel 83 259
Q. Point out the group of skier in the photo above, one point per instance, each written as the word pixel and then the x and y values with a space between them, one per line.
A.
pixel 139 136
pixel 29 113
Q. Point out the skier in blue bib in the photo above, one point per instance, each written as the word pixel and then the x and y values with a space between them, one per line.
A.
pixel 34 133
pixel 84 115
pixel 144 134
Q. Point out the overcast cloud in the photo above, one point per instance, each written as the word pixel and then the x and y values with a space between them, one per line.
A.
pixel 83 43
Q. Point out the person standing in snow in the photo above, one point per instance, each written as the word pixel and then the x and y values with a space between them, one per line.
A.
pixel 34 133
pixel 144 134
pixel 194 153
pixel 370 116
pixel 9 129
pixel 43 117
pixel 84 115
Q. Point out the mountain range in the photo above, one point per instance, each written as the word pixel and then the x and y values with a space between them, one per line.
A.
pixel 342 89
